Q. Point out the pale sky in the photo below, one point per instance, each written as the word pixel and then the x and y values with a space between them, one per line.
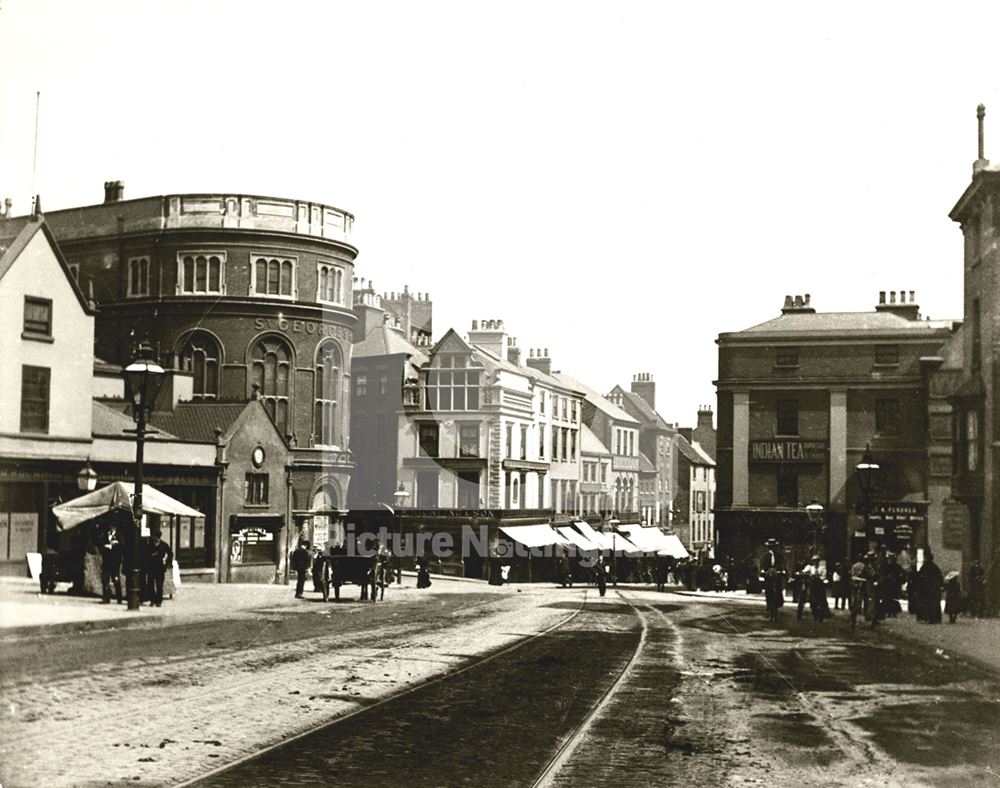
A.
pixel 619 182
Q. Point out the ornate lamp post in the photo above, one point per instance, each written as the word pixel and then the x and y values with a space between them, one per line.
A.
pixel 143 378
pixel 866 470
pixel 400 497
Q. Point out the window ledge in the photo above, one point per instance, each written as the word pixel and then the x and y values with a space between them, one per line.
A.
pixel 256 506
pixel 786 366
pixel 38 337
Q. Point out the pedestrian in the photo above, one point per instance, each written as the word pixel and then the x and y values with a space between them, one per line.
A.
pixel 660 573
pixel 913 594
pixel 931 582
pixel 424 575
pixel 326 576
pixel 817 592
pixel 952 596
pixel 300 565
pixel 111 566
pixel 800 589
pixel 159 557
pixel 977 583
pixel 380 577
pixel 317 570
pixel 601 576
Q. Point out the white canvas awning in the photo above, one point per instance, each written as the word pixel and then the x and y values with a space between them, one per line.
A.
pixel 118 495
pixel 649 540
pixel 673 547
pixel 540 535
pixel 575 537
pixel 607 541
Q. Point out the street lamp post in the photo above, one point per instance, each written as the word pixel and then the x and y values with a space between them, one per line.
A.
pixel 866 470
pixel 143 378
pixel 613 523
pixel 400 497
pixel 86 479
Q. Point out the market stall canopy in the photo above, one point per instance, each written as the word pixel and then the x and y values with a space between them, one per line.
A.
pixel 533 535
pixel 572 535
pixel 117 495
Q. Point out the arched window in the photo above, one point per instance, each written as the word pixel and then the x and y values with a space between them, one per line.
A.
pixel 271 372
pixel 203 352
pixel 329 365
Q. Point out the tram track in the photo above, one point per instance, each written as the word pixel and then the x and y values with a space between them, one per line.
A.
pixel 569 746
pixel 374 707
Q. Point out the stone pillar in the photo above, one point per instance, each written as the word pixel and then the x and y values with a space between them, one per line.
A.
pixel 741 448
pixel 838 450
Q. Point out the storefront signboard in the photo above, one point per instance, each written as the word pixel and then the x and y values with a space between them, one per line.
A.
pixel 954 526
pixel 784 450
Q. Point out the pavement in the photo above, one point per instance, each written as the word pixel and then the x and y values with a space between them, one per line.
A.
pixel 23 611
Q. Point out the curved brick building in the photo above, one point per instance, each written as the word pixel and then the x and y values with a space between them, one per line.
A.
pixel 246 296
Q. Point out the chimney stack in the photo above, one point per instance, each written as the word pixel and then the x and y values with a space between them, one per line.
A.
pixel 114 191
pixel 798 304
pixel 539 359
pixel 904 307
pixel 981 162
pixel 644 386
pixel 490 336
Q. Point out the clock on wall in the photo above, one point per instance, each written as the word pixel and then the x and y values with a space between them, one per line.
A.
pixel 257 457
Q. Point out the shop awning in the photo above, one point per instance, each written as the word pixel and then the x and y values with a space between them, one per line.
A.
pixel 540 535
pixel 117 495
pixel 649 540
pixel 673 547
pixel 575 537
pixel 607 541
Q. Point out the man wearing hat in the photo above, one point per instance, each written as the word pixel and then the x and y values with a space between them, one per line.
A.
pixel 772 567
pixel 300 565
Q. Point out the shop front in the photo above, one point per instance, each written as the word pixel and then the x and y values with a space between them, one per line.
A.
pixel 254 547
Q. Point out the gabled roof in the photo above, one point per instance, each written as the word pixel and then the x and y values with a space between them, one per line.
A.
pixel 385 341
pixel 451 342
pixel 840 322
pixel 645 464
pixel 603 404
pixel 16 245
pixel 693 452
pixel 647 414
pixel 590 443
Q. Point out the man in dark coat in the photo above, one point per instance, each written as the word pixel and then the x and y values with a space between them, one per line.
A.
pixel 111 566
pixel 300 565
pixel 931 581
pixel 159 557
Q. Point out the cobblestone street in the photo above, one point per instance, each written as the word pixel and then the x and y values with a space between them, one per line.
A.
pixel 512 686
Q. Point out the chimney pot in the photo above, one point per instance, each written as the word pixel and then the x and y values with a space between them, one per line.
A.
pixel 881 296
pixel 807 297
pixel 892 296
pixel 114 191
pixel 913 296
pixel 789 303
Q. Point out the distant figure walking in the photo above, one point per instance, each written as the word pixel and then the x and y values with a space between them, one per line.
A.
pixel 931 581
pixel 300 565
pixel 424 575
pixel 111 566
pixel 952 596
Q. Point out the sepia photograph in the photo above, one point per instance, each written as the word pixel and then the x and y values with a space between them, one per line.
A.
pixel 524 395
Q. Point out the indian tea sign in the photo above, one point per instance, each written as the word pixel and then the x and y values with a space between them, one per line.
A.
pixel 794 451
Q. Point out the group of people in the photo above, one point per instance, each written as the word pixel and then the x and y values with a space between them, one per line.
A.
pixel 872 585
pixel 157 558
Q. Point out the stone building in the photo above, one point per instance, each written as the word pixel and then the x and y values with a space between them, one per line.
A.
pixel 964 415
pixel 656 444
pixel 800 397
pixel 694 521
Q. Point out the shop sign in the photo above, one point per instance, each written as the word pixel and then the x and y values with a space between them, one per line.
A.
pixel 894 511
pixel 954 526
pixel 255 535
pixel 774 450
